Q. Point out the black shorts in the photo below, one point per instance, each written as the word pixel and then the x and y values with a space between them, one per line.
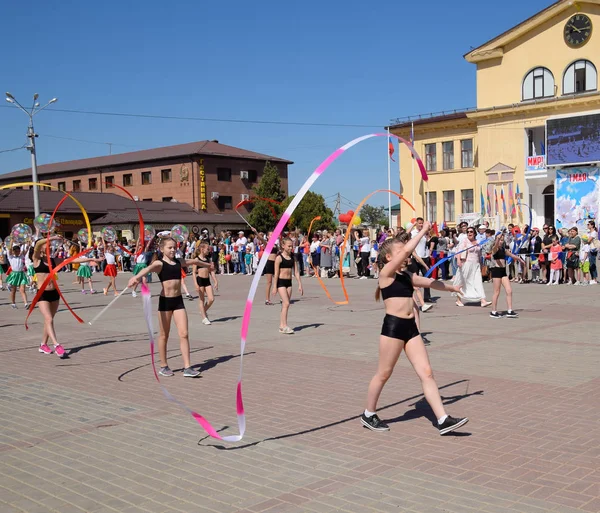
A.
pixel 170 304
pixel 498 272
pixel 269 267
pixel 203 282
pixel 49 296
pixel 399 328
pixel 281 283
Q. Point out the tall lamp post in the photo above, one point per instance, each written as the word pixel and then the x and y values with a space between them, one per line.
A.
pixel 31 135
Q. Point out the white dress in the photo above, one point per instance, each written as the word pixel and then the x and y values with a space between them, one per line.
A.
pixel 468 276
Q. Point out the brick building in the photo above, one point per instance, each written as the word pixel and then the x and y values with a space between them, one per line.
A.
pixel 209 176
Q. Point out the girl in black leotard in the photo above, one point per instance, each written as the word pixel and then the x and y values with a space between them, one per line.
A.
pixel 500 277
pixel 48 302
pixel 400 331
pixel 170 303
pixel 269 269
pixel 284 265
pixel 201 276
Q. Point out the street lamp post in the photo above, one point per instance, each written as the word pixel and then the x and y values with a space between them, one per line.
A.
pixel 31 135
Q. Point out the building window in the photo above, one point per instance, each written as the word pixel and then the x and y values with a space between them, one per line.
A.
pixel 76 185
pixel 165 175
pixel 224 174
pixel 224 203
pixel 93 184
pixel 580 77
pixel 466 153
pixel 62 186
pixel 467 201
pixel 448 150
pixel 147 199
pixel 430 157
pixel 431 198
pixel 252 175
pixel 449 206
pixel 167 198
pixel 538 83
pixel 127 180
pixel 110 180
pixel 146 177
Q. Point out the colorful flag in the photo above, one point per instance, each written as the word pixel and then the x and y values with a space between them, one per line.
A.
pixel 496 200
pixel 511 201
pixel 489 201
pixel 391 149
pixel 434 228
pixel 519 199
pixel 503 201
pixel 482 203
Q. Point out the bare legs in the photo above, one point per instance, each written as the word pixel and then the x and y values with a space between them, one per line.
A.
pixel 13 294
pixel 181 322
pixel 112 284
pixel 389 352
pixel 285 294
pixel 498 283
pixel 268 290
pixel 205 292
pixel 48 310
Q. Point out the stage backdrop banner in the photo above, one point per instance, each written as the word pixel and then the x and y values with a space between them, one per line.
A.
pixel 577 197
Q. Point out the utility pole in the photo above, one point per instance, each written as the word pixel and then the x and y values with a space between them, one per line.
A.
pixel 31 135
pixel 337 209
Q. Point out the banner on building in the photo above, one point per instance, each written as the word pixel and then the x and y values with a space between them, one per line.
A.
pixel 577 197
pixel 573 140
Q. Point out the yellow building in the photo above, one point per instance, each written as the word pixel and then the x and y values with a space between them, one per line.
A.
pixel 542 69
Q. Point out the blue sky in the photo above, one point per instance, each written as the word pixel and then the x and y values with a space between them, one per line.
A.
pixel 360 63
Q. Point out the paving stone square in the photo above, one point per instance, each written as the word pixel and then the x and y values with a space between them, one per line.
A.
pixel 94 432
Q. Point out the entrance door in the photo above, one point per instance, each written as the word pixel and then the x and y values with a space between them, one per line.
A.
pixel 549 205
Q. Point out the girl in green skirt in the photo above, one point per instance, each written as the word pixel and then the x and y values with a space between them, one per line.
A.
pixel 140 264
pixel 18 277
pixel 85 273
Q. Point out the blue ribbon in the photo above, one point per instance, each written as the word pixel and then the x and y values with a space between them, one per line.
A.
pixel 524 237
pixel 437 264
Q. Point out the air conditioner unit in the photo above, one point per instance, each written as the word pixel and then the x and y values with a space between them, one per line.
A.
pixel 135 198
pixel 244 175
pixel 214 195
pixel 245 197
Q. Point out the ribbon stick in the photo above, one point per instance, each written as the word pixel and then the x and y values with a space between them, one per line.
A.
pixel 241 418
pixel 255 199
pixel 99 314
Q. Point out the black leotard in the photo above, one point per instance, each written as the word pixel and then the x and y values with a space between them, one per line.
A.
pixel 401 286
pixel 170 271
pixel 500 254
pixel 286 263
pixel 43 266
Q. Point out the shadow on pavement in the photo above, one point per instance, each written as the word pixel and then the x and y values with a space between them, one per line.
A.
pixel 225 319
pixel 306 326
pixel 348 419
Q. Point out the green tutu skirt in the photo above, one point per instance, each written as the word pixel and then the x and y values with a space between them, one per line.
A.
pixel 30 271
pixel 138 267
pixel 17 278
pixel 84 271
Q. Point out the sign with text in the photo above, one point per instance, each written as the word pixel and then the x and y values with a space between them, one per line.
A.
pixel 203 203
pixel 577 193
pixel 537 163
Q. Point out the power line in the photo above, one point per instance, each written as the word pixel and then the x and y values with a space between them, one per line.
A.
pixel 14 149
pixel 219 120
pixel 88 141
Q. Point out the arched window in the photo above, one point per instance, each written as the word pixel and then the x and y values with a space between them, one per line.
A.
pixel 580 77
pixel 538 83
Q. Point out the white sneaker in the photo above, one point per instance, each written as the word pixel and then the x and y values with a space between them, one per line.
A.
pixel 576 283
pixel 133 293
pixel 206 321
pixel 549 283
pixel 426 307
pixel 593 282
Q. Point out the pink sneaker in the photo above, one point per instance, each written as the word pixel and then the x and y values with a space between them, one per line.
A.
pixel 45 349
pixel 59 350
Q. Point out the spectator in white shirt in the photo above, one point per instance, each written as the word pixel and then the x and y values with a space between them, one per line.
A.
pixel 422 252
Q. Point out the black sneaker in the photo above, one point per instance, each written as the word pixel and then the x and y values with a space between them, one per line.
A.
pixel 374 423
pixel 496 315
pixel 450 424
pixel 512 314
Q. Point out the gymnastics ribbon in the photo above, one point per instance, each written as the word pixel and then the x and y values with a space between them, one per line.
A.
pixel 450 257
pixel 241 418
pixel 254 199
pixel 343 247
pixel 524 236
pixel 52 273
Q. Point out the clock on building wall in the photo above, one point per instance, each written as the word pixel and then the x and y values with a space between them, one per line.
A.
pixel 578 30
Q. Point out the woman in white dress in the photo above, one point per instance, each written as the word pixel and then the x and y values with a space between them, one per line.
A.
pixel 468 275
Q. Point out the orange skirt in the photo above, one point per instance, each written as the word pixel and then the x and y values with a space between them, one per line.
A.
pixel 110 270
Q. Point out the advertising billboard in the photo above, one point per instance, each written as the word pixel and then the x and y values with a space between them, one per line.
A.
pixel 577 199
pixel 573 140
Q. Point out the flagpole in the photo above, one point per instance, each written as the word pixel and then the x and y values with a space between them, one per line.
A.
pixel 389 180
pixel 412 133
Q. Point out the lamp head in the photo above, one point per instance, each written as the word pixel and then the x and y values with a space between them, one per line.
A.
pixel 35 96
pixel 53 100
pixel 9 100
pixel 8 95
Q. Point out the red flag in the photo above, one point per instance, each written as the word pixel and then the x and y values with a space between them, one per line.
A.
pixel 434 228
pixel 391 149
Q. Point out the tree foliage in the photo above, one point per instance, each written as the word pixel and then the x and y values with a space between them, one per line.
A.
pixel 261 215
pixel 311 206
pixel 373 216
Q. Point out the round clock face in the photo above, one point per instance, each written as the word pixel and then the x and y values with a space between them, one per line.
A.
pixel 578 30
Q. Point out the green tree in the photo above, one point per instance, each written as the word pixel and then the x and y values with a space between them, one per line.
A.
pixel 261 215
pixel 373 216
pixel 311 206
